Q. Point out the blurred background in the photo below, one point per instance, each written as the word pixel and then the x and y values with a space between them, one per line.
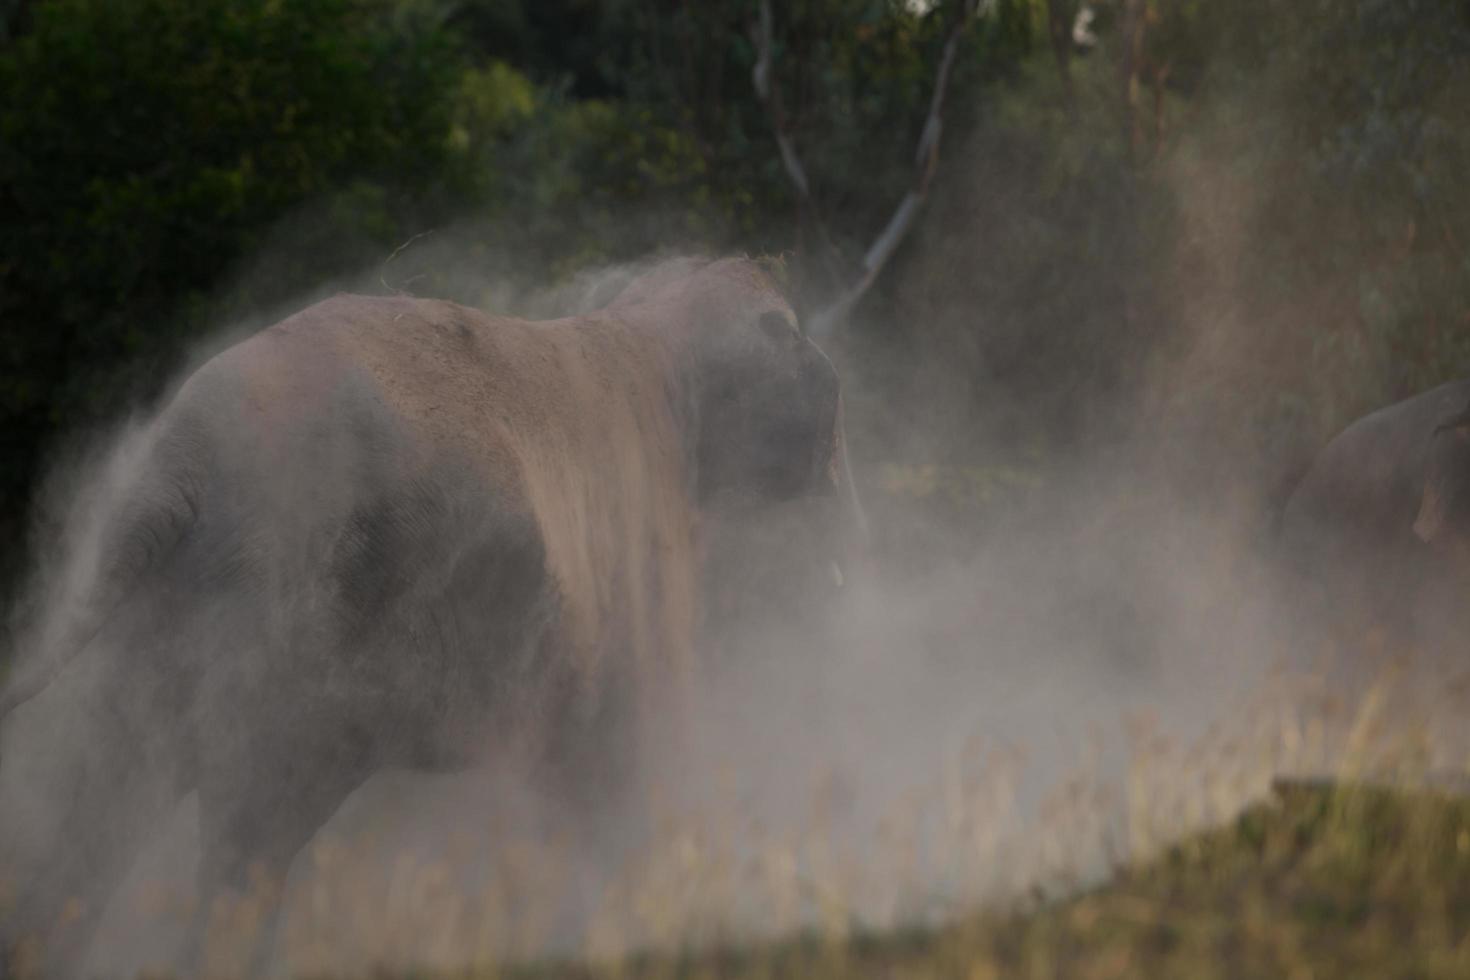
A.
pixel 1219 231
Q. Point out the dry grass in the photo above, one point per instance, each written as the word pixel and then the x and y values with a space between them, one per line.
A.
pixel 1322 880
pixel 1201 861
pixel 1198 860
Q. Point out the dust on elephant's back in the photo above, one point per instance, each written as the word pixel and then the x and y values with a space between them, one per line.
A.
pixel 575 426
pixel 610 491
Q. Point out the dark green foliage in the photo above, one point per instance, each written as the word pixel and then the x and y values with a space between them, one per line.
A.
pixel 146 146
pixel 1266 238
pixel 165 164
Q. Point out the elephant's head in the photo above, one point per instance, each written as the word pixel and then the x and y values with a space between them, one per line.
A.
pixel 763 402
pixel 768 409
pixel 1444 507
pixel 765 415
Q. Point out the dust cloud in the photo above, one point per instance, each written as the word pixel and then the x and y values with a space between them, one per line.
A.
pixel 1117 659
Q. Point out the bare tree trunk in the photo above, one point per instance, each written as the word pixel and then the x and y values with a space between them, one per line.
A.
pixel 1131 33
pixel 1061 14
pixel 825 320
pixel 1159 75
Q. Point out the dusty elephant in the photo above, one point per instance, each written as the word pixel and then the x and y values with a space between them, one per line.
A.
pixel 399 532
pixel 1364 525
pixel 1443 518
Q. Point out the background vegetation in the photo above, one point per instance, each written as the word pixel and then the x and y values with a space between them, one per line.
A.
pixel 1237 225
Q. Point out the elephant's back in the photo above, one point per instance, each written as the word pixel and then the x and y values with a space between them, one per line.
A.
pixel 1349 524
pixel 1366 482
pixel 381 381
pixel 324 438
pixel 569 425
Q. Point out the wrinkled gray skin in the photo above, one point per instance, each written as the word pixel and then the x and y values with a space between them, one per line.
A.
pixel 308 583
pixel 1361 528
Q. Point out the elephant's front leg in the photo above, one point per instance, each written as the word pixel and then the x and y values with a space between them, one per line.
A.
pixel 591 770
pixel 91 759
pixel 260 803
pixel 114 803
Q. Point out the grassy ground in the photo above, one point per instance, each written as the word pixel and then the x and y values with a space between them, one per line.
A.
pixel 1320 881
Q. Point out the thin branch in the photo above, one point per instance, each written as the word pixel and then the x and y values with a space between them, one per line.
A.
pixel 1134 24
pixel 1061 21
pixel 926 158
pixel 768 90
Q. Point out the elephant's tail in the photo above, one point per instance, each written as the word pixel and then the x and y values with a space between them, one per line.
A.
pixel 107 568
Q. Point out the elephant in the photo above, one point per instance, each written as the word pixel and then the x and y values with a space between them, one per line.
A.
pixel 1365 524
pixel 1445 504
pixel 398 532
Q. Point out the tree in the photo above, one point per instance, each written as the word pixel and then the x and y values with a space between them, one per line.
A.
pixel 833 311
pixel 146 146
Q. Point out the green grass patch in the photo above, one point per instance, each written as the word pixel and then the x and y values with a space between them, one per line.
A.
pixel 1322 880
